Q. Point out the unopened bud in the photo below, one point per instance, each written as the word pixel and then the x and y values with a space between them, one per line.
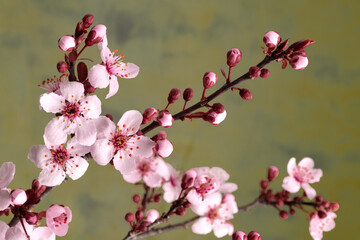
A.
pixel 334 206
pixel 67 43
pixel 180 211
pixel 209 79
pixel 136 198
pixel 264 73
pixel 18 197
pixel 292 212
pixel 62 67
pixel 245 94
pixel 149 114
pixel 271 39
pixel 273 172
pixel 164 148
pixel 281 47
pixel 218 108
pixel 79 30
pixel 165 119
pixel 139 215
pixel 187 204
pixel 300 45
pixel 254 72
pixel 31 218
pixel 253 236
pixel 96 35
pixel 152 215
pixel 280 203
pixel 88 20
pixel 319 198
pixel 233 57
pixel 188 178
pixel 325 204
pixel 321 214
pixel 264 184
pixel 213 117
pixel 35 185
pixel 160 136
pixel 284 214
pixel 88 88
pixel 239 235
pixel 109 116
pixel 157 198
pixel 174 95
pixel 188 94
pixel 299 62
pixel 129 217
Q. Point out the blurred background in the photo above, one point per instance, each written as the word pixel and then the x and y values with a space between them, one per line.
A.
pixel 314 112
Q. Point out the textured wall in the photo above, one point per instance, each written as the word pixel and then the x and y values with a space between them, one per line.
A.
pixel 313 113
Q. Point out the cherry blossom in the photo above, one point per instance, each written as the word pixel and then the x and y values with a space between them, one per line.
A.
pixel 153 170
pixel 67 43
pixel 17 232
pixel 58 218
pixel 215 211
pixel 7 173
pixel 57 161
pixel 300 176
pixel 120 142
pixel 101 75
pixel 75 114
pixel 207 181
pixel 271 39
pixel 318 225
pixel 172 187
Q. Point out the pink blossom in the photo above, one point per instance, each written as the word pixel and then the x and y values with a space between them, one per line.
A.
pixel 299 62
pixel 101 75
pixel 209 79
pixel 215 118
pixel 76 114
pixel 209 180
pixel 120 142
pixel 97 35
pixel 301 175
pixel 271 39
pixel 57 161
pixel 233 57
pixel 17 232
pixel 153 170
pixel 7 173
pixel 165 119
pixel 67 43
pixel 318 225
pixel 215 212
pixel 152 215
pixel 172 187
pixel 18 197
pixel 58 218
pixel 164 148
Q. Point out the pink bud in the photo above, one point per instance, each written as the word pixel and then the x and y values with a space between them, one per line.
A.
pixel 245 94
pixel 264 73
pixel 67 43
pixel 160 136
pixel 164 148
pixel 321 214
pixel 96 35
pixel 284 214
pixel 188 94
pixel 209 79
pixel 31 218
pixel 139 215
pixel 253 236
pixel 136 198
pixel 299 62
pixel 18 197
pixel 149 114
pixel 152 215
pixel 213 117
pixel 188 178
pixel 273 172
pixel 334 206
pixel 180 211
pixel 233 57
pixel 254 72
pixel 165 119
pixel 62 67
pixel 271 39
pixel 218 108
pixel 264 184
pixel 88 19
pixel 239 235
pixel 174 95
pixel 129 217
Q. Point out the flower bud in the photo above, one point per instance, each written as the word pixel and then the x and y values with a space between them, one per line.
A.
pixel 160 136
pixel 67 43
pixel 218 108
pixel 299 62
pixel 129 217
pixel 187 204
pixel 253 236
pixel 209 79
pixel 174 95
pixel 264 73
pixel 321 214
pixel 157 198
pixel 35 185
pixel 188 179
pixel 281 47
pixel 88 19
pixel 165 119
pixel 18 197
pixel 149 114
pixel 31 218
pixel 188 94
pixel 292 212
pixel 96 35
pixel 79 31
pixel 264 184
pixel 334 206
pixel 88 88
pixel 136 198
pixel 245 94
pixel 180 211
pixel 213 117
pixel 233 57
pixel 284 214
pixel 271 39
pixel 152 215
pixel 300 45
pixel 239 235
pixel 164 148
pixel 254 72
pixel 280 202
pixel 273 172
pixel 62 67
pixel 139 215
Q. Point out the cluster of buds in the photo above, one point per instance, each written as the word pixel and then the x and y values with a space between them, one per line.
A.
pixel 239 235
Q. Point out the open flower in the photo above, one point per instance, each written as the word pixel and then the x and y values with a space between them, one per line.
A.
pixel 318 225
pixel 120 142
pixel 75 114
pixel 301 175
pixel 58 218
pixel 172 187
pixel 17 232
pixel 215 211
pixel 57 161
pixel 101 75
pixel 7 172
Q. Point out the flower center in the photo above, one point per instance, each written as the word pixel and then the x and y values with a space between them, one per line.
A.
pixel 212 214
pixel 303 174
pixel 60 156
pixel 144 167
pixel 71 111
pixel 119 141
pixel 205 185
pixel 61 219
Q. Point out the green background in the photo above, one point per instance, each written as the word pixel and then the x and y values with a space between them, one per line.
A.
pixel 314 112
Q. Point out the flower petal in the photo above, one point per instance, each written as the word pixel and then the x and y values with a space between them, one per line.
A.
pixel 104 127
pixel 133 177
pixel 202 226
pixel 316 174
pixel 5 199
pixel 128 70
pixel 52 102
pixel 3 228
pixel 39 155
pixel 102 152
pixel 51 176
pixel 222 229
pixel 143 146
pixel 15 233
pixel 92 106
pixel 85 133
pixel 76 167
pixel 306 163
pixel 310 192
pixel 130 122
pixel 124 163
pixel 228 187
pixel 76 149
pixel 72 91
pixel 55 132
pixel 98 76
pixel 113 88
pixel 42 233
pixel 291 167
pixel 7 172
pixel 291 185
